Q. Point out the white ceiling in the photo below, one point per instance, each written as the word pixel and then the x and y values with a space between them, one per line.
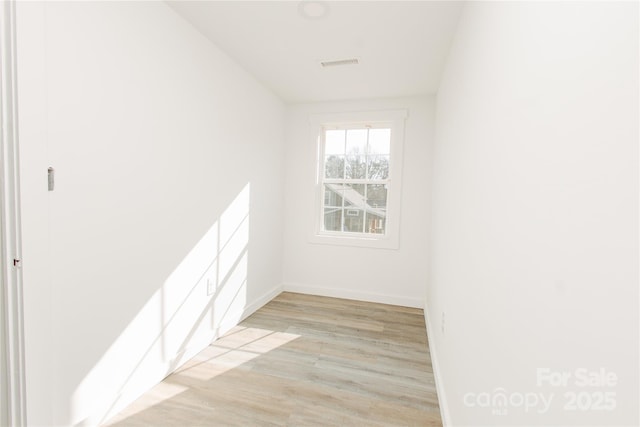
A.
pixel 401 45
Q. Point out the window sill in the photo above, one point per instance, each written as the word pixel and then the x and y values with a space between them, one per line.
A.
pixel 361 242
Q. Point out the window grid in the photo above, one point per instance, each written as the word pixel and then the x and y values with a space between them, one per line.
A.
pixel 376 222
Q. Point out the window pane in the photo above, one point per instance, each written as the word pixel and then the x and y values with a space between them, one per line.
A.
pixel 333 219
pixel 375 224
pixel 378 167
pixel 377 196
pixel 353 220
pixel 354 195
pixel 334 167
pixel 333 195
pixel 334 142
pixel 356 141
pixel 356 167
pixel 376 215
pixel 379 141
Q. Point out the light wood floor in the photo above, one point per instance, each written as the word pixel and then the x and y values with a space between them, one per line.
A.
pixel 303 361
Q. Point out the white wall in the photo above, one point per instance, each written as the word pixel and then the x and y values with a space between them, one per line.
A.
pixel 535 210
pixel 169 162
pixel 394 276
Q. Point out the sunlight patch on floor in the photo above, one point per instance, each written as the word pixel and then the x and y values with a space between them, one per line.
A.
pixel 238 347
pixel 158 394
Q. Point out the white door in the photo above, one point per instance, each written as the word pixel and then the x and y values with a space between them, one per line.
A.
pixel 4 409
pixel 12 405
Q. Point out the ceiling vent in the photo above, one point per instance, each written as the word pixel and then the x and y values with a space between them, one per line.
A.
pixel 350 61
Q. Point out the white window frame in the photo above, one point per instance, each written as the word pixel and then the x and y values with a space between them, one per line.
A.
pixel 392 119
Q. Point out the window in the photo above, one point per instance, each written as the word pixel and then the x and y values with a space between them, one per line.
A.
pixel 358 183
pixel 356 177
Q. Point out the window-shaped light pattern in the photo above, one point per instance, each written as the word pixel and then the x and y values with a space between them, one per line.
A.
pixel 355 182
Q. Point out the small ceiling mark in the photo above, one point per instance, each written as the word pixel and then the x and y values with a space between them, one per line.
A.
pixel 311 9
pixel 338 62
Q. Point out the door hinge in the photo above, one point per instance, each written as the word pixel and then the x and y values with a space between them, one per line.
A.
pixel 17 263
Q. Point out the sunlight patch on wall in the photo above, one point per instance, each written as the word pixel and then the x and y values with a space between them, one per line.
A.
pixel 203 297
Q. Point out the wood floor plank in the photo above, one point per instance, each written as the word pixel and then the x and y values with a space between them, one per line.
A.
pixel 303 360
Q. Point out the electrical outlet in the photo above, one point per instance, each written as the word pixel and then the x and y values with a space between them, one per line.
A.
pixel 211 287
pixel 442 322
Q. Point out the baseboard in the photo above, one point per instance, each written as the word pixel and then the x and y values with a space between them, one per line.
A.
pixel 260 302
pixel 442 397
pixel 353 295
